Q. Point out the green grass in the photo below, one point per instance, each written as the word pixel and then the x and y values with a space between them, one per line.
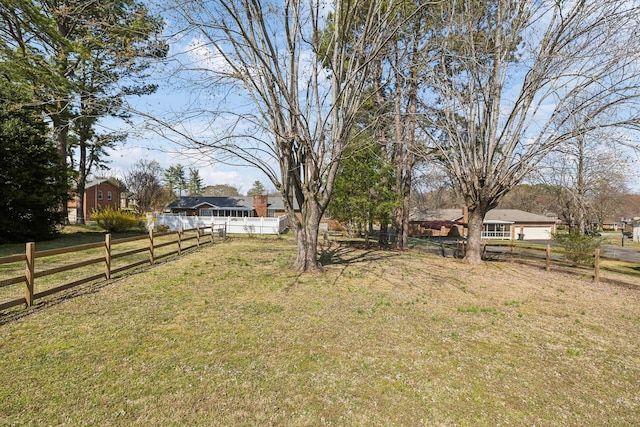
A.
pixel 80 235
pixel 228 335
pixel 70 235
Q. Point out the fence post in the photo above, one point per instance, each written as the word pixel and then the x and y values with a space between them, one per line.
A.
pixel 107 256
pixel 151 260
pixel 30 272
pixel 212 228
pixel 548 258
pixel 512 249
pixel 484 251
pixel 596 276
pixel 179 240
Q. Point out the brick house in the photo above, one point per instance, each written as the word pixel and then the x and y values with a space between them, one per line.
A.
pixel 98 194
pixel 507 224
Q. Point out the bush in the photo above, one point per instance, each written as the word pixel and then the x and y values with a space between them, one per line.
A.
pixel 580 247
pixel 115 221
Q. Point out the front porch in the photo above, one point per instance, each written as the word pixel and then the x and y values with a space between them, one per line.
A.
pixel 497 230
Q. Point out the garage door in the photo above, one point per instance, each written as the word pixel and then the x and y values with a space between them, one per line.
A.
pixel 537 233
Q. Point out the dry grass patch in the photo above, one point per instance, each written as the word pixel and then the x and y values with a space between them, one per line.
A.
pixel 230 336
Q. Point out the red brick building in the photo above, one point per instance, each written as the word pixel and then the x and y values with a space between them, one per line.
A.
pixel 98 194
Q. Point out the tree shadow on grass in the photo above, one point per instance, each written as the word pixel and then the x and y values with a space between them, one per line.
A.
pixel 20 312
pixel 334 253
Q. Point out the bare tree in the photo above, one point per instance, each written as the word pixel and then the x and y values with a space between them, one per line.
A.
pixel 588 178
pixel 143 182
pixel 510 76
pixel 297 71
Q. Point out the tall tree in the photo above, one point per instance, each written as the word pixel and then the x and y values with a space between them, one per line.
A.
pixel 299 90
pixel 509 77
pixel 32 177
pixel 587 178
pixel 362 194
pixel 256 189
pixel 81 60
pixel 194 187
pixel 175 179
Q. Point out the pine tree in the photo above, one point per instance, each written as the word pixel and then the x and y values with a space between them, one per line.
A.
pixel 32 177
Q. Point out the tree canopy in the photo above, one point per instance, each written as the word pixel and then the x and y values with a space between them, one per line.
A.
pixel 81 60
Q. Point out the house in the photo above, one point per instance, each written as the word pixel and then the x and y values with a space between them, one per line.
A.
pixel 504 224
pixel 437 222
pixel 237 206
pixel 98 194
pixel 631 228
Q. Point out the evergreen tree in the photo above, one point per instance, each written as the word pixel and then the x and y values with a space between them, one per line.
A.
pixel 81 60
pixel 32 177
pixel 175 179
pixel 195 183
pixel 257 189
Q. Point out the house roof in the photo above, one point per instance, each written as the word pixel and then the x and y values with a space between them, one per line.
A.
pixel 516 215
pixel 239 202
pixel 435 214
pixel 495 216
pixel 218 202
pixel 99 181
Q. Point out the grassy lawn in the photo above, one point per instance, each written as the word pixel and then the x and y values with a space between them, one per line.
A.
pixel 70 235
pixel 228 335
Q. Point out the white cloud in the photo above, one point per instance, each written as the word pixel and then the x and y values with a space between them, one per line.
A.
pixel 207 57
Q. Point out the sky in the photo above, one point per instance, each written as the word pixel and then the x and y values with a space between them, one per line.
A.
pixel 143 144
pixel 178 95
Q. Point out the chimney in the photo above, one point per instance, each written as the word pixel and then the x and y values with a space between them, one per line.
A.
pixel 465 215
pixel 260 205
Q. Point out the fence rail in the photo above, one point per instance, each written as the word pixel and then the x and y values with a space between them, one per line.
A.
pixel 173 239
pixel 596 265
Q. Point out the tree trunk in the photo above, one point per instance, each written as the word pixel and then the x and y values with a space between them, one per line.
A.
pixel 306 233
pixel 474 236
pixel 60 133
pixel 305 227
pixel 80 219
pixel 81 184
pixel 383 238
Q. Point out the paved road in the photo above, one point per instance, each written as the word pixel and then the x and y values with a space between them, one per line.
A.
pixel 629 254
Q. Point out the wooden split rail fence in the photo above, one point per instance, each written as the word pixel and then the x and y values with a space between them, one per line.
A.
pixel 596 265
pixel 172 243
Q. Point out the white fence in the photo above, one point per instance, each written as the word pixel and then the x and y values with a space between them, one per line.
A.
pixel 233 225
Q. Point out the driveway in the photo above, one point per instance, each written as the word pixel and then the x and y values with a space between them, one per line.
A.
pixel 627 254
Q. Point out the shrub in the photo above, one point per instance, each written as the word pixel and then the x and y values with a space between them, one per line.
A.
pixel 579 247
pixel 115 220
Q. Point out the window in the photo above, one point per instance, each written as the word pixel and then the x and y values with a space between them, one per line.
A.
pixel 271 213
pixel 109 195
pixel 99 194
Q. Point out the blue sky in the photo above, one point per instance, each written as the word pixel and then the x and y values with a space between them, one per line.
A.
pixel 143 144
